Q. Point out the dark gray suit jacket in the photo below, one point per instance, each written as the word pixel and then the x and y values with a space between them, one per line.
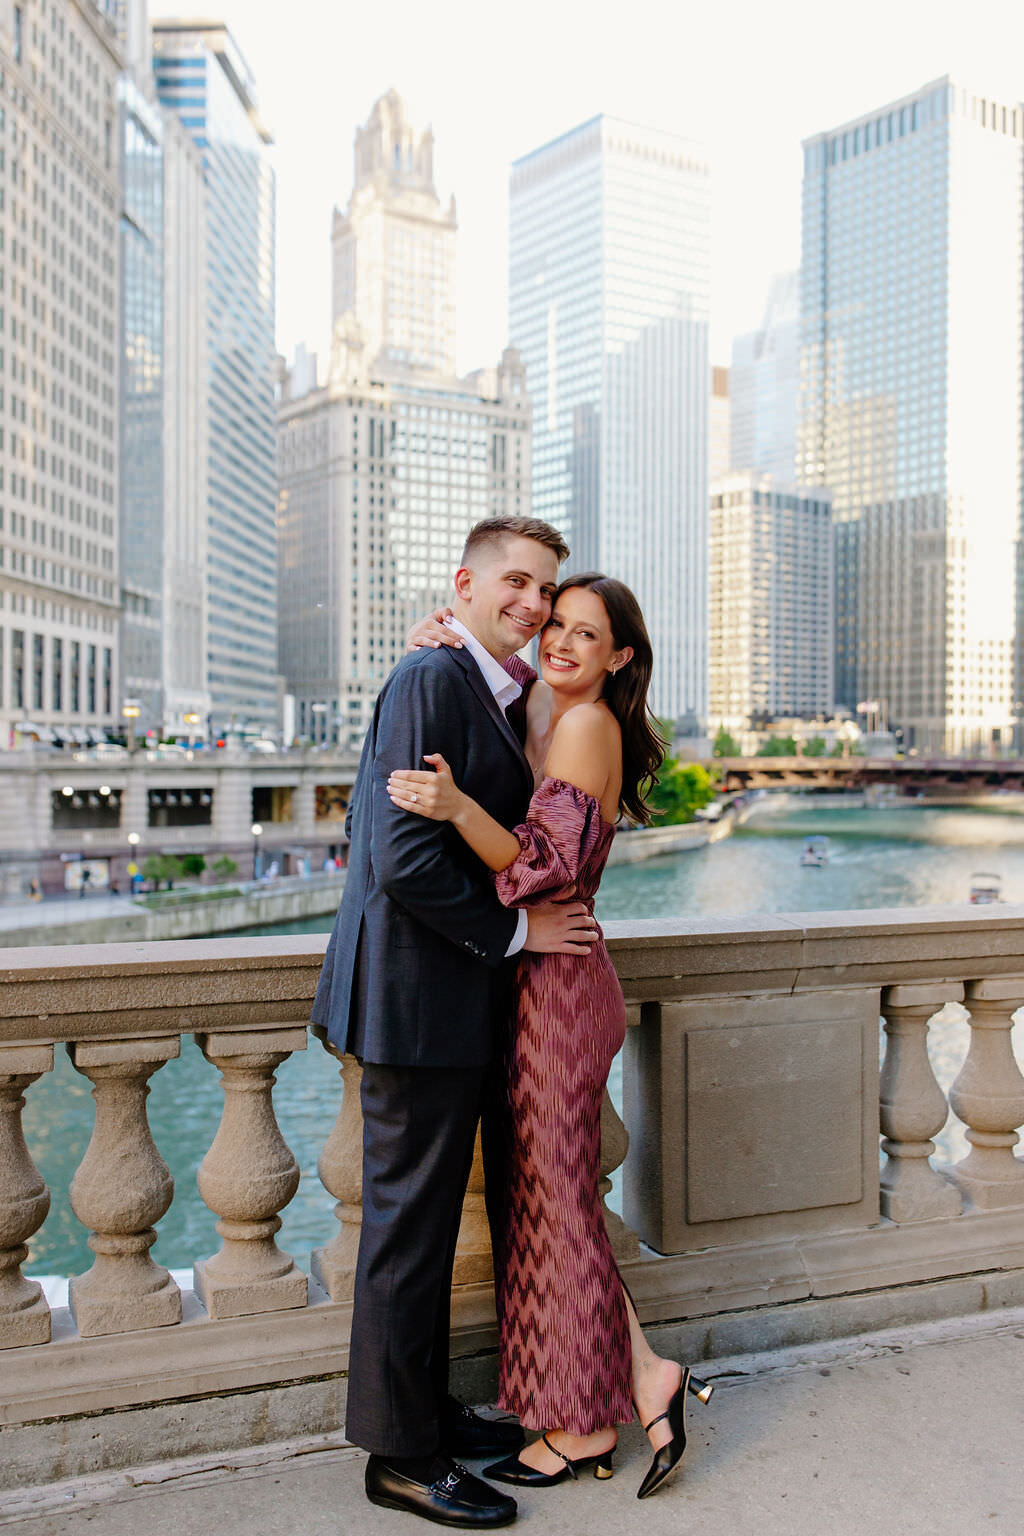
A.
pixel 414 960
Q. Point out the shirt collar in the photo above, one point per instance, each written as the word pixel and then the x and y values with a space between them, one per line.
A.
pixel 503 687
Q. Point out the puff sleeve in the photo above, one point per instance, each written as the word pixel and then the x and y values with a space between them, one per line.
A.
pixel 562 827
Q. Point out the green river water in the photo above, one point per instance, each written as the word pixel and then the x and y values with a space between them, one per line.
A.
pixel 902 856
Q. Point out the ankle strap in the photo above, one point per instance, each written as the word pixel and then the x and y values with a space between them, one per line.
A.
pixel 556 1452
pixel 651 1425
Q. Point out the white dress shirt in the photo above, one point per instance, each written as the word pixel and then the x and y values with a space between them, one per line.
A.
pixel 505 690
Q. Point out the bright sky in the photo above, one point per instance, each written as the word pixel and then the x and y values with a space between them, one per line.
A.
pixel 747 78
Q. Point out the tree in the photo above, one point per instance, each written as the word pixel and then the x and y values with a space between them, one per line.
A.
pixel 679 790
pixel 778 746
pixel 224 868
pixel 815 747
pixel 162 866
pixel 725 745
pixel 192 865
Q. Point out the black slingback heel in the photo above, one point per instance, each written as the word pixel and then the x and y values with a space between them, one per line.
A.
pixel 669 1456
pixel 512 1470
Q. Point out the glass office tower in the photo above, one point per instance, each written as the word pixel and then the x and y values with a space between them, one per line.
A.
pixel 142 401
pixel 202 77
pixel 609 284
pixel 911 405
pixel 764 386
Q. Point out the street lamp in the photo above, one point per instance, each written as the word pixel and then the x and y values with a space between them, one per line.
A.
pixel 130 711
pixel 257 833
pixel 191 719
pixel 133 868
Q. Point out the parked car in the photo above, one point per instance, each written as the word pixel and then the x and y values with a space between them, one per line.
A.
pixel 102 752
pixel 168 751
pixel 262 744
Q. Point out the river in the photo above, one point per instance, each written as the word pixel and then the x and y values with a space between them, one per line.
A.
pixel 899 856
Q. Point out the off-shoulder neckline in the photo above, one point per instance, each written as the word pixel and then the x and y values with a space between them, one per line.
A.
pixel 550 778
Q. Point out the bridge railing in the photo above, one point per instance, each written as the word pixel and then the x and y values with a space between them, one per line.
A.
pixel 754 1204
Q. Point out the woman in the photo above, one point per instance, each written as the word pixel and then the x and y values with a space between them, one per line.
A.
pixel 573 1360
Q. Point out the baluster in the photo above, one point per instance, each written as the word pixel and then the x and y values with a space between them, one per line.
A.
pixel 474 1263
pixel 988 1096
pixel 614 1146
pixel 913 1107
pixel 24 1200
pixel 121 1189
pixel 248 1175
pixel 341 1172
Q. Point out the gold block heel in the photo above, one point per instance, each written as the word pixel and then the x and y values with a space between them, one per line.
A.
pixel 603 1466
pixel 701 1390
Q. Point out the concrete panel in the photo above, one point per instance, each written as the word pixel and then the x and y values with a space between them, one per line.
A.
pixel 772 1122
pixel 752 1118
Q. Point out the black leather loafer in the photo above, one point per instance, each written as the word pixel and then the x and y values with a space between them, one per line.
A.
pixel 465 1433
pixel 457 1498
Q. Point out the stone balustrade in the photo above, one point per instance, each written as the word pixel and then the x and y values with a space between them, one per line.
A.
pixel 754 1205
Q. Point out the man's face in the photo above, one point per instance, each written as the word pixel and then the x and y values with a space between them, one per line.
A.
pixel 505 596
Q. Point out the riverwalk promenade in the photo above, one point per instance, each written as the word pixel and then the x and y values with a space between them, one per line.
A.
pixel 914 1431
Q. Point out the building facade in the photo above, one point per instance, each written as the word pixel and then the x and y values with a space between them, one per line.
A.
pixel 383 469
pixel 771 620
pixel 609 285
pixel 202 77
pixel 163 480
pixel 765 386
pixel 380 480
pixel 393 248
pixel 911 327
pixel 59 258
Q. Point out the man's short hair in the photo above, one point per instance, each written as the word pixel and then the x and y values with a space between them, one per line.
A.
pixel 495 530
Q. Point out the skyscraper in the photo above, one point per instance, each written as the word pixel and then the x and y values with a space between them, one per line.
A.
pixel 383 469
pixel 911 329
pixel 203 78
pixel 393 249
pixel 163 443
pixel 765 387
pixel 770 619
pixel 609 283
pixel 59 597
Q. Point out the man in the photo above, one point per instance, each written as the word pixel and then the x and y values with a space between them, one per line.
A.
pixel 412 986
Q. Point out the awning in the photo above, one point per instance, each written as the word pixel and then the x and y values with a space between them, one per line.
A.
pixel 30 728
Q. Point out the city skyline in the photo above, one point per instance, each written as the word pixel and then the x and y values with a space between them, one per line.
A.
pixel 609 290
pixel 910 298
pixel 678 69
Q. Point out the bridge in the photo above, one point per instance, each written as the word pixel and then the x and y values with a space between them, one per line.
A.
pixel 836 1303
pixel 911 775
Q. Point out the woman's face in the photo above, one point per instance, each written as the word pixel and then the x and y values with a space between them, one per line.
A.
pixel 577 648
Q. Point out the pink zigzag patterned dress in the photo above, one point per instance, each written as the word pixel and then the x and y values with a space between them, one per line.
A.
pixel 564 1334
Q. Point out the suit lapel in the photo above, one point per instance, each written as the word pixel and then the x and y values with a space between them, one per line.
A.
pixel 476 681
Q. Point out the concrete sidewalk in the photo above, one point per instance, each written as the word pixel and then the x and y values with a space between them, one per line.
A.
pixel 913 1433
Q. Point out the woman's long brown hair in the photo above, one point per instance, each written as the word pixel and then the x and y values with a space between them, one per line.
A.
pixel 625 691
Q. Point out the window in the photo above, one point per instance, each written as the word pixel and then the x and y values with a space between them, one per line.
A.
pixel 18 668
pixel 37 672
pixel 57 673
pixel 18 19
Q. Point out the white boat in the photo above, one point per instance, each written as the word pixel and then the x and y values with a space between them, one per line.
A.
pixel 814 854
pixel 985 888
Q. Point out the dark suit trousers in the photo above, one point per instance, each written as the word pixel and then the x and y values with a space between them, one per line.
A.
pixel 419 1125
